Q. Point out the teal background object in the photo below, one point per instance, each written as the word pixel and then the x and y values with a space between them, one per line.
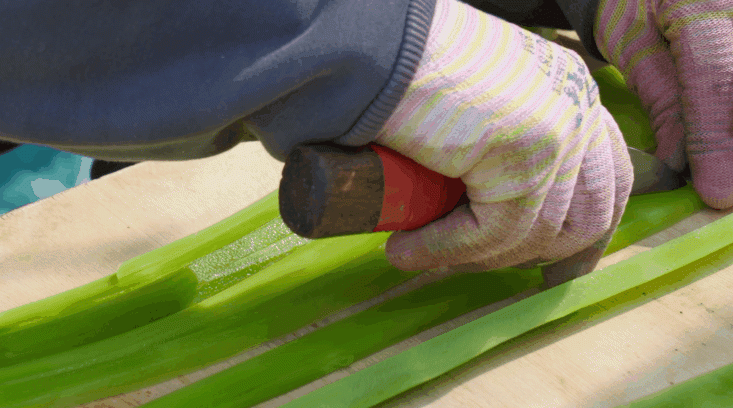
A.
pixel 29 173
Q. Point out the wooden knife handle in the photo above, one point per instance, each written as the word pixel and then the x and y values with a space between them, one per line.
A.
pixel 328 190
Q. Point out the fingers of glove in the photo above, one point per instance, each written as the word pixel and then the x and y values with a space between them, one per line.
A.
pixel 483 236
pixel 597 198
pixel 472 233
pixel 600 194
pixel 492 235
pixel 628 37
pixel 498 229
pixel 573 215
pixel 579 264
pixel 623 168
pixel 654 81
pixel 700 34
pixel 614 201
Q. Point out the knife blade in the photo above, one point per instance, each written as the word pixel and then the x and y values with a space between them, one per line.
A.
pixel 651 175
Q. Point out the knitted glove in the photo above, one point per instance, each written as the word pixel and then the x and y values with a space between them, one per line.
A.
pixel 519 120
pixel 677 56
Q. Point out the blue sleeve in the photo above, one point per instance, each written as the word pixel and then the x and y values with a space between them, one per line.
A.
pixel 171 80
pixel 175 80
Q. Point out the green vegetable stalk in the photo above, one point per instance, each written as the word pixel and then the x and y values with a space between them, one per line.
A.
pixel 98 310
pixel 147 288
pixel 336 346
pixel 426 361
pixel 315 280
pixel 648 214
pixel 272 284
pixel 341 343
pixel 711 390
pixel 186 250
pixel 625 107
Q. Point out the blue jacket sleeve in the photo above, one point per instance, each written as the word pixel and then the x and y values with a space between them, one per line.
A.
pixel 164 80
pixel 167 80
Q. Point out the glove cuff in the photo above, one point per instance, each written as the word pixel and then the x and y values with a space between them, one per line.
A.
pixel 419 18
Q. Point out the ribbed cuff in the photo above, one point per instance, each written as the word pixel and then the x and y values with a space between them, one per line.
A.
pixel 417 26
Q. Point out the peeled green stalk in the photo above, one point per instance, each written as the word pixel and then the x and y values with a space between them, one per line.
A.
pixel 341 343
pixel 186 250
pixel 207 332
pixel 437 356
pixel 331 348
pixel 122 363
pixel 336 346
pixel 314 281
pixel 711 390
pixel 625 107
pixel 648 214
pixel 147 288
pixel 92 312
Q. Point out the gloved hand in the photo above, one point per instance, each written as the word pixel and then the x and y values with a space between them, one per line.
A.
pixel 677 56
pixel 519 120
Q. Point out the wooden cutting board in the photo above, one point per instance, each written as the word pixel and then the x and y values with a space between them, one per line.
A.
pixel 85 233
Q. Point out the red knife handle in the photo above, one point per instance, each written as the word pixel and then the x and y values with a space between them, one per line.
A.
pixel 328 190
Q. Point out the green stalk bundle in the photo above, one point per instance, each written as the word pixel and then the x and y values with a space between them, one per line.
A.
pixel 221 326
pixel 684 255
pixel 144 289
pixel 648 214
pixel 160 316
pixel 336 346
pixel 341 343
pixel 711 390
pixel 625 107
pixel 95 311
pixel 315 280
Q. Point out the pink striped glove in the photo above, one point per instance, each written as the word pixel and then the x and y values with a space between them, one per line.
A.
pixel 519 120
pixel 677 56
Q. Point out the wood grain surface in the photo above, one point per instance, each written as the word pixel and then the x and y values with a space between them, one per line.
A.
pixel 629 350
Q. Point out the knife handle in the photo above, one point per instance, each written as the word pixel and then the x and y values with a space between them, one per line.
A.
pixel 328 190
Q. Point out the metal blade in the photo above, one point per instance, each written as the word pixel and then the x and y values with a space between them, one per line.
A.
pixel 651 175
